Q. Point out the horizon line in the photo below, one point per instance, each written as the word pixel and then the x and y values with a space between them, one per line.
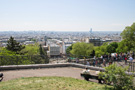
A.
pixel 59 31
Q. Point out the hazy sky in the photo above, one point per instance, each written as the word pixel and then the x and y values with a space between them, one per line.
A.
pixel 66 15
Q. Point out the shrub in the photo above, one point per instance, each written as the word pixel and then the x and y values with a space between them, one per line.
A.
pixel 116 75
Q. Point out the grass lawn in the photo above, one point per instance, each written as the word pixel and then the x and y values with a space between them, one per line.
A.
pixel 50 83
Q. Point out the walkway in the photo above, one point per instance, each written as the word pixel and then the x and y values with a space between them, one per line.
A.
pixel 65 72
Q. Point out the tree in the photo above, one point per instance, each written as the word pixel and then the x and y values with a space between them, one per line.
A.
pixel 101 50
pixel 82 49
pixel 41 50
pixel 111 48
pixel 14 46
pixel 31 49
pixel 122 46
pixel 69 49
pixel 116 75
pixel 5 52
pixel 43 54
pixel 128 36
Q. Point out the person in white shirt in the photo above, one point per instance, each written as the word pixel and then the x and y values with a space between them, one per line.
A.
pixel 130 58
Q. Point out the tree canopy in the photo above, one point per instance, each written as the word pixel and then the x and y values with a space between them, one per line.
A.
pixel 69 49
pixel 13 45
pixel 111 48
pixel 122 46
pixel 82 49
pixel 128 36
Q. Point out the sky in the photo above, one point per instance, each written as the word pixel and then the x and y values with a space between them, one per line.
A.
pixel 66 15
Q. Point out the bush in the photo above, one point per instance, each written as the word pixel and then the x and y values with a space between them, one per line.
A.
pixel 116 75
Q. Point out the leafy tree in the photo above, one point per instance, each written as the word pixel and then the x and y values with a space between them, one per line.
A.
pixel 69 49
pixel 5 52
pixel 41 50
pixel 14 46
pixel 43 54
pixel 111 48
pixel 116 75
pixel 129 36
pixel 82 49
pixel 122 46
pixel 31 49
pixel 101 50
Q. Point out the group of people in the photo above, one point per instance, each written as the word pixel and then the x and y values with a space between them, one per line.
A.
pixel 104 59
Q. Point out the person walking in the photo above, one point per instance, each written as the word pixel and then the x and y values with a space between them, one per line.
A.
pixel 125 60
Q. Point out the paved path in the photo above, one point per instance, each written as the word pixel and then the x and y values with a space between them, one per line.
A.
pixel 66 72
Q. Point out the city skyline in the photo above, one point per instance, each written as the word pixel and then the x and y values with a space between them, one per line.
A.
pixel 66 15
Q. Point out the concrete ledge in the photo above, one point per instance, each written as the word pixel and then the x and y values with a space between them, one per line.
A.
pixel 36 66
pixel 89 67
pixel 33 66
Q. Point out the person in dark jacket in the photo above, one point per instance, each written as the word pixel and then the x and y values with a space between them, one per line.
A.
pixel 1 76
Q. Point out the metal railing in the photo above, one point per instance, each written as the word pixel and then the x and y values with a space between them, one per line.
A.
pixel 41 59
pixel 23 60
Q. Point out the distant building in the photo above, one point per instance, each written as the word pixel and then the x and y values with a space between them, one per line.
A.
pixel 3 44
pixel 54 50
pixel 98 42
pixel 29 42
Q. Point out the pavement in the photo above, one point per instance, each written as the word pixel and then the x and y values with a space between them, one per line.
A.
pixel 63 72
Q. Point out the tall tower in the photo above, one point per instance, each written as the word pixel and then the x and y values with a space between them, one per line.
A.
pixel 90 32
pixel 45 39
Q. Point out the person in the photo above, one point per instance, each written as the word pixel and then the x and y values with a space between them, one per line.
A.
pixel 125 60
pixel 104 62
pixel 1 76
pixel 88 63
pixel 87 71
pixel 94 58
pixel 101 57
pixel 94 62
pixel 77 60
pixel 110 62
pixel 130 58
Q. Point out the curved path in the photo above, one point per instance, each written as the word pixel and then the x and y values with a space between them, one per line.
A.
pixel 64 71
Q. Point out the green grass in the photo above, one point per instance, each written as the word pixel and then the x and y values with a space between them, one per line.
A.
pixel 51 83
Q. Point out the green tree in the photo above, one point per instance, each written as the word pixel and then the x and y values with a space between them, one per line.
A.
pixel 31 49
pixel 129 36
pixel 14 46
pixel 111 48
pixel 101 50
pixel 69 49
pixel 43 54
pixel 5 52
pixel 82 49
pixel 41 50
pixel 116 75
pixel 122 46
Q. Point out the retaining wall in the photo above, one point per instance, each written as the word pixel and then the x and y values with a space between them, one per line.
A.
pixel 36 66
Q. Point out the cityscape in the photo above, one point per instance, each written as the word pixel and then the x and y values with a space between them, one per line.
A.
pixel 57 42
pixel 67 45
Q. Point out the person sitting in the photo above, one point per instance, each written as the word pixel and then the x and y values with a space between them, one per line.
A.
pixel 1 76
pixel 87 71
